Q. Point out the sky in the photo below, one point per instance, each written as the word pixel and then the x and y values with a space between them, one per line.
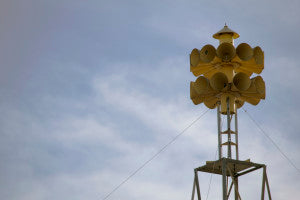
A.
pixel 90 90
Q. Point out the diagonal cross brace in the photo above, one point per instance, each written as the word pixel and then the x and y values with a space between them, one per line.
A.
pixel 196 185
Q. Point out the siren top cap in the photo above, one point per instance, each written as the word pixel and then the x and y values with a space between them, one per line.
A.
pixel 224 31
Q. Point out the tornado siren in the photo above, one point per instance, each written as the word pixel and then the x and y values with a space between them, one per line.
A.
pixel 224 82
pixel 226 73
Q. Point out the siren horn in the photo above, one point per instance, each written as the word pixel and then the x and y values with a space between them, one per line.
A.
pixel 241 81
pixel 198 66
pixel 244 51
pixel 211 102
pixel 194 96
pixel 194 57
pixel 250 100
pixel 226 51
pixel 207 53
pixel 202 86
pixel 258 55
pixel 219 81
pixel 257 88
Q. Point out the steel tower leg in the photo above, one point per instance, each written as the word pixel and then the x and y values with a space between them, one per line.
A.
pixel 224 181
pixel 236 194
pixel 219 132
pixel 228 130
pixel 236 135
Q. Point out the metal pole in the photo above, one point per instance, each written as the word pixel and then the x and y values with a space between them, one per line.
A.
pixel 197 185
pixel 228 130
pixel 236 191
pixel 230 188
pixel 224 183
pixel 236 194
pixel 219 132
pixel 268 186
pixel 236 136
pixel 193 192
pixel 263 184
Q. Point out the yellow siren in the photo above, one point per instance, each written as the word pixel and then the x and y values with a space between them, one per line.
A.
pixel 255 92
pixel 209 60
pixel 226 51
pixel 200 61
pixel 219 89
pixel 249 60
pixel 219 81
pixel 226 72
pixel 209 101
pixel 202 92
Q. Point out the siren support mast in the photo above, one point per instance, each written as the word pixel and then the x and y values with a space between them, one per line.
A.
pixel 226 85
pixel 230 117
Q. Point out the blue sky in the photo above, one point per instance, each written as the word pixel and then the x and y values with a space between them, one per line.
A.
pixel 90 90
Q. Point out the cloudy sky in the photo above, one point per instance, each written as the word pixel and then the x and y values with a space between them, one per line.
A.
pixel 91 89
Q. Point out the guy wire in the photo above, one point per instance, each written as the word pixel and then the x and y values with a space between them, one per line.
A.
pixel 155 155
pixel 272 141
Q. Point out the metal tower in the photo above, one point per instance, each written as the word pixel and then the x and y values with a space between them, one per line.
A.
pixel 226 85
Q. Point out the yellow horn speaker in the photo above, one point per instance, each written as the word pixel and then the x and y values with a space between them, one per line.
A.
pixel 211 102
pixel 258 55
pixel 224 99
pixel 197 99
pixel 219 81
pixel 253 101
pixel 254 64
pixel 255 92
pixel 202 86
pixel 207 53
pixel 241 81
pixel 244 51
pixel 226 51
pixel 198 66
pixel 195 57
pixel 257 89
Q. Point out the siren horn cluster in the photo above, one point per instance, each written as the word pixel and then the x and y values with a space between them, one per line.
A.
pixel 226 73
